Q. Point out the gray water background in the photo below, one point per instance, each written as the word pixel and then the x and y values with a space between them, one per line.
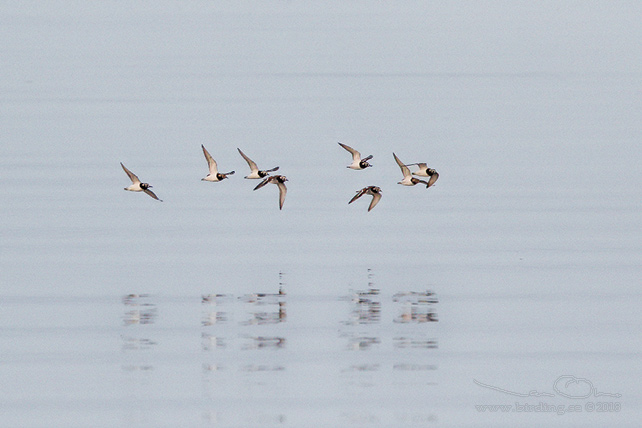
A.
pixel 529 244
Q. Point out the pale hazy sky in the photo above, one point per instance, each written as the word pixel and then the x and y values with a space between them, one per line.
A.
pixel 343 37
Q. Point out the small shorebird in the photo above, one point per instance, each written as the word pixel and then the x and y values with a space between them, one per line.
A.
pixel 424 171
pixel 137 186
pixel 374 191
pixel 357 162
pixel 254 170
pixel 214 175
pixel 279 180
pixel 408 179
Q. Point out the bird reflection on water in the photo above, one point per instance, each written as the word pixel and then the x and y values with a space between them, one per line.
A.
pixel 416 307
pixel 414 343
pixel 268 317
pixel 140 309
pixel 210 342
pixel 140 313
pixel 366 307
pixel 137 343
pixel 262 368
pixel 384 340
pixel 362 343
pixel 274 301
pixel 211 304
pixel 261 342
pixel 376 337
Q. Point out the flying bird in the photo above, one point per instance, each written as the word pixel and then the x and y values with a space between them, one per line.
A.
pixel 254 170
pixel 374 191
pixel 137 186
pixel 408 179
pixel 279 180
pixel 214 175
pixel 424 171
pixel 357 162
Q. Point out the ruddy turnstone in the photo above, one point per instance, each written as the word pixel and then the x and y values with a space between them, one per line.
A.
pixel 214 175
pixel 357 162
pixel 254 170
pixel 424 171
pixel 408 179
pixel 279 180
pixel 374 191
pixel 137 186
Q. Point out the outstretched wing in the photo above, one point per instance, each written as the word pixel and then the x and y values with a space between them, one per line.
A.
pixel 249 161
pixel 152 194
pixel 131 175
pixel 433 178
pixel 359 194
pixel 417 181
pixel 273 169
pixel 282 192
pixel 356 156
pixel 263 183
pixel 376 197
pixel 404 169
pixel 210 161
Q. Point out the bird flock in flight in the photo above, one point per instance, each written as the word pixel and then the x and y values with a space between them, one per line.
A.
pixel 255 173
